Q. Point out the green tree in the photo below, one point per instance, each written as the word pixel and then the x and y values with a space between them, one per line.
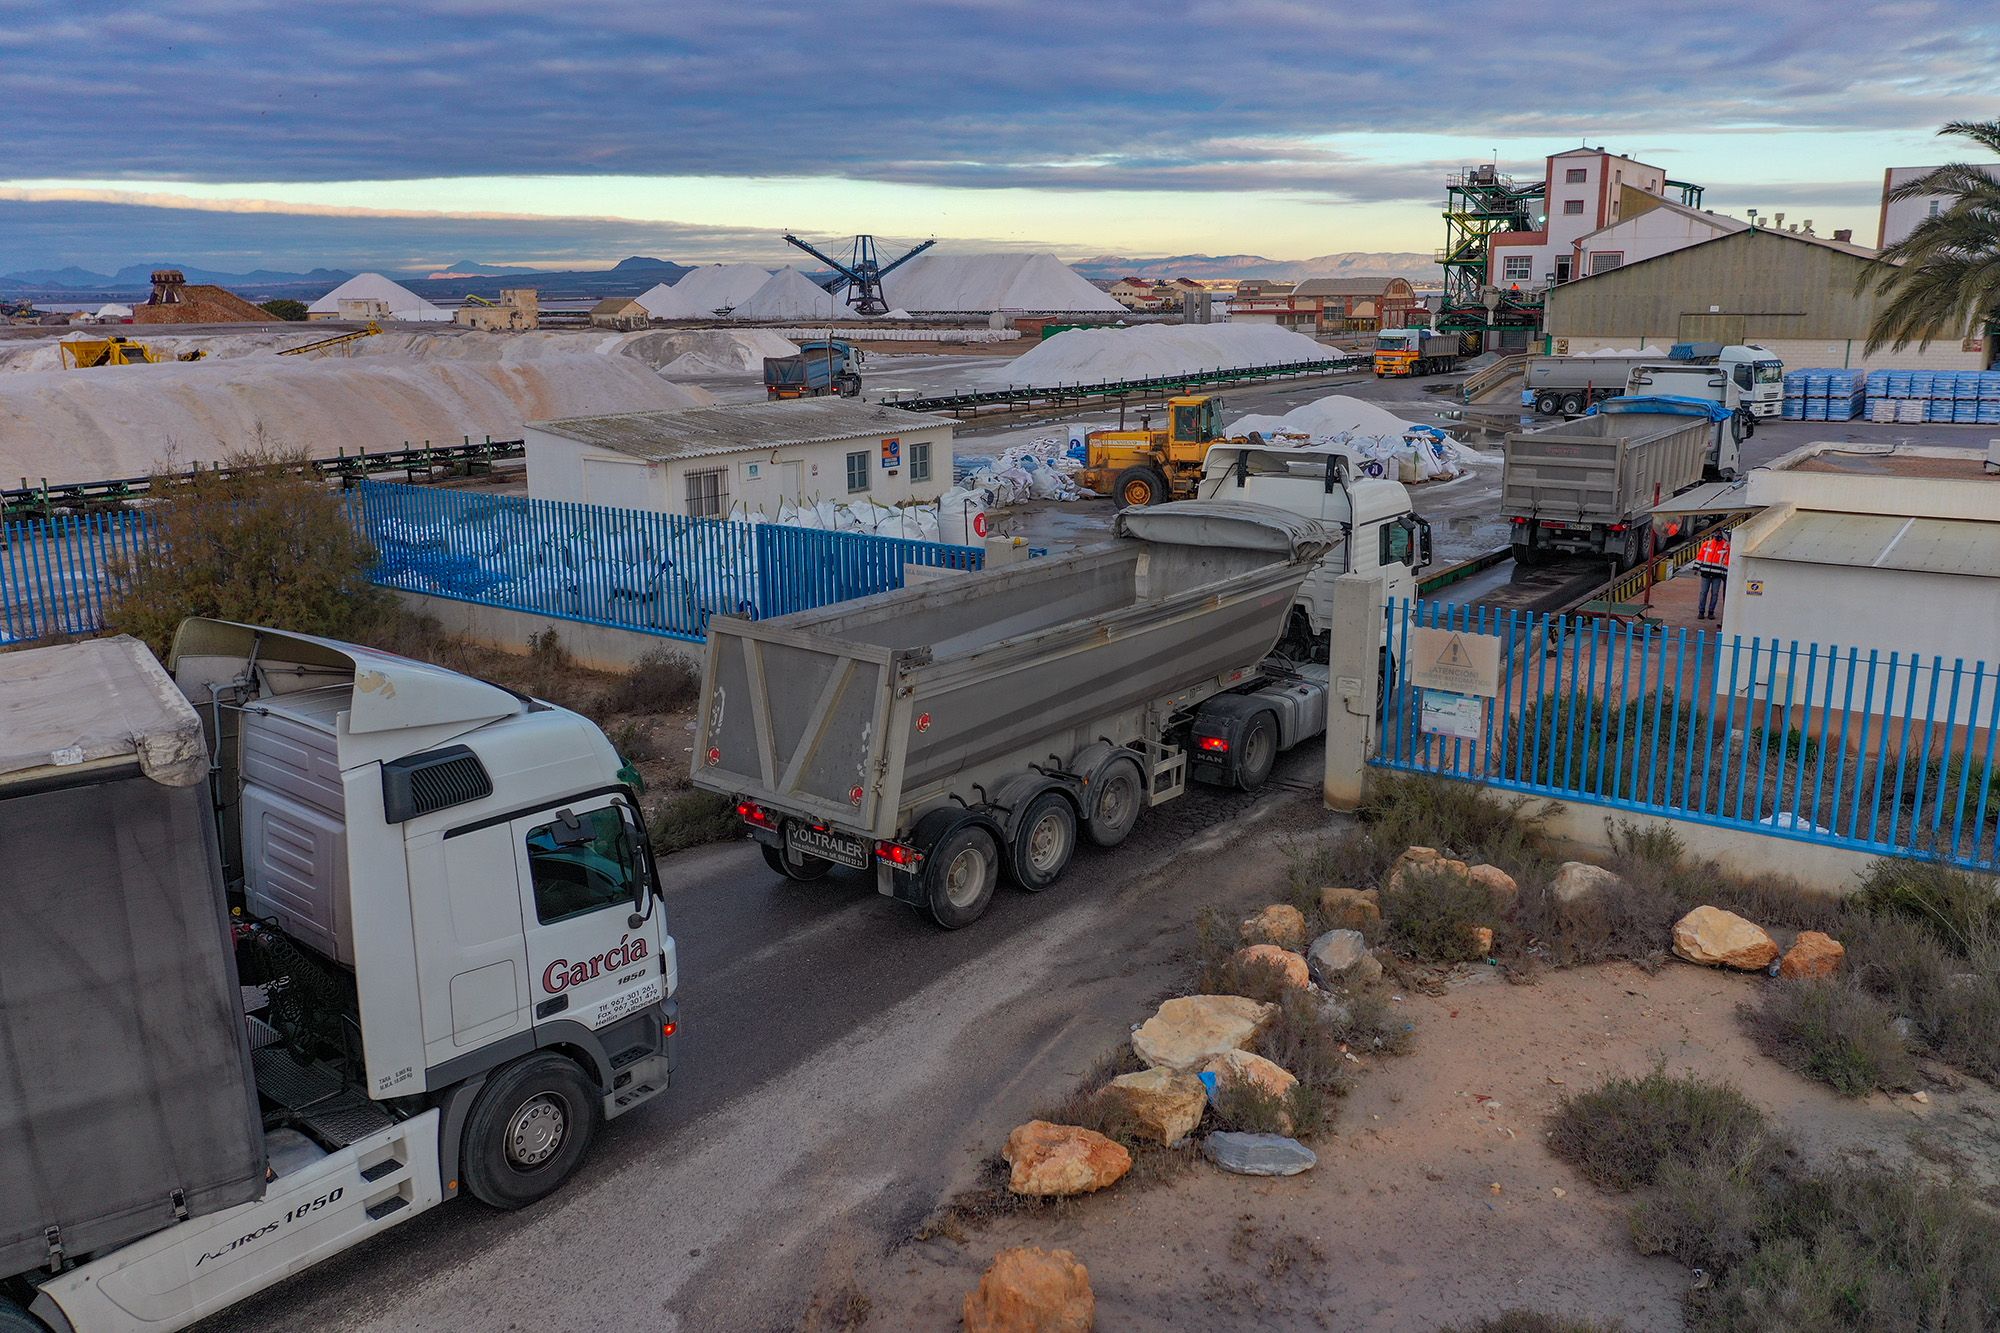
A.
pixel 261 539
pixel 1946 273
pixel 284 308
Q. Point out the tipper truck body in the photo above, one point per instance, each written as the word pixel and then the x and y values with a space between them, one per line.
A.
pixel 301 941
pixel 1403 352
pixel 973 725
pixel 1584 487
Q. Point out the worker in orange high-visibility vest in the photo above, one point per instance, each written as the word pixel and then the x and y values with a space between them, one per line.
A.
pixel 1711 561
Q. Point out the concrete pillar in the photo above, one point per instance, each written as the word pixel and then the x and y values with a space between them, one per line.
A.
pixel 1354 667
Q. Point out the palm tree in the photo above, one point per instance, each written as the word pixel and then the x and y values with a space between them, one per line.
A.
pixel 1946 274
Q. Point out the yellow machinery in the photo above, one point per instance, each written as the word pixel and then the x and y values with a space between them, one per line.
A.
pixel 473 296
pixel 1146 466
pixel 117 350
pixel 336 340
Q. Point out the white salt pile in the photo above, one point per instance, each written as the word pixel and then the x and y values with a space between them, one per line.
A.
pixel 1143 351
pixel 402 302
pixel 69 425
pixel 786 295
pixel 704 293
pixel 949 284
pixel 1388 445
pixel 709 352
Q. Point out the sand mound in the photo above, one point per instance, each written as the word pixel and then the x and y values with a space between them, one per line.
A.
pixel 71 425
pixel 1146 350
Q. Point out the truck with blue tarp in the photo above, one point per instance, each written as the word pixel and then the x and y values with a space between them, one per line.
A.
pixel 820 367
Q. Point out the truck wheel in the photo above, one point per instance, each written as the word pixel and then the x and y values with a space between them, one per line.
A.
pixel 1115 806
pixel 1258 752
pixel 1547 404
pixel 1141 485
pixel 529 1127
pixel 959 875
pixel 1572 404
pixel 795 865
pixel 13 1319
pixel 1044 842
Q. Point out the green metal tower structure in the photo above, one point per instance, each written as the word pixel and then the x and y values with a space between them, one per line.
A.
pixel 1480 203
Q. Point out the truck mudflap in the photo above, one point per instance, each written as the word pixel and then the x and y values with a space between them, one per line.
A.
pixel 780 714
pixel 189 1271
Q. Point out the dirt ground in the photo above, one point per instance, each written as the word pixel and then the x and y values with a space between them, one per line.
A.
pixel 1434 1200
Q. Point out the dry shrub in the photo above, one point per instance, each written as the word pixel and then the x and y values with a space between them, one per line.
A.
pixel 1702 1211
pixel 1832 1030
pixel 264 540
pixel 659 682
pixel 421 638
pixel 1619 1135
pixel 693 818
pixel 1535 1321
pixel 1463 819
pixel 1432 916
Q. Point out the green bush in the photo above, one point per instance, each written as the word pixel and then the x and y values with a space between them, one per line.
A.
pixel 1434 916
pixel 659 682
pixel 1832 1030
pixel 285 308
pixel 261 540
pixel 1402 810
pixel 1620 1134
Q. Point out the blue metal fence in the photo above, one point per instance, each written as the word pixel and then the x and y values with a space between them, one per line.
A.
pixel 1885 752
pixel 632 569
pixel 55 572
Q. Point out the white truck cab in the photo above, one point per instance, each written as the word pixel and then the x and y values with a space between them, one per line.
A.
pixel 1743 376
pixel 445 965
pixel 1380 532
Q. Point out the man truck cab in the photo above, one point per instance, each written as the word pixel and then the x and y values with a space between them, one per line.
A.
pixel 1741 376
pixel 1379 531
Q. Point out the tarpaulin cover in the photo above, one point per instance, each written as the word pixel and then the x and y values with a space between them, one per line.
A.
pixel 98 701
pixel 124 1065
pixel 1671 404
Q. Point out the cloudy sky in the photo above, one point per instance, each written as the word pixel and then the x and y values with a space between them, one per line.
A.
pixel 239 133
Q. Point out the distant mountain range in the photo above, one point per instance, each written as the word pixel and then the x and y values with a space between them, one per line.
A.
pixel 1347 264
pixel 629 276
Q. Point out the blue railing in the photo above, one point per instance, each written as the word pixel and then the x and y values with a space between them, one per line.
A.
pixel 631 569
pixel 1884 752
pixel 55 572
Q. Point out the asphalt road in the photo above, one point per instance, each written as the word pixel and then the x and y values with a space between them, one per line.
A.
pixel 843 1066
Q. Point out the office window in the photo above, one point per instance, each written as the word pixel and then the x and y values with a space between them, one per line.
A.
pixel 1572 205
pixel 920 462
pixel 1576 176
pixel 708 493
pixel 1516 268
pixel 857 471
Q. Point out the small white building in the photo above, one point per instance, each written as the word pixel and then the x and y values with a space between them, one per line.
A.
pixel 709 462
pixel 1892 549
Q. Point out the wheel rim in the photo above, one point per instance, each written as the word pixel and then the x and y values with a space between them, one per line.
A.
pixel 1257 752
pixel 965 877
pixel 537 1130
pixel 1048 843
pixel 1138 493
pixel 1115 801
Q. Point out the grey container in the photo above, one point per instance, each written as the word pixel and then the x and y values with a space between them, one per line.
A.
pixel 126 1095
pixel 857 714
pixel 1602 469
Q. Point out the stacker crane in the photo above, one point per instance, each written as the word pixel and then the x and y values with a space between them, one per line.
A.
pixel 863 271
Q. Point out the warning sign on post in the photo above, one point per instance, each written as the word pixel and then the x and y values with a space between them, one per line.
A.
pixel 1455 660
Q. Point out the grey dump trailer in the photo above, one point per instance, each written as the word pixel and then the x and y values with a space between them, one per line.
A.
pixel 977 723
pixel 1583 487
pixel 1569 384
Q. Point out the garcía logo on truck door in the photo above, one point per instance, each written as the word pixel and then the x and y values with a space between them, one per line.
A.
pixel 562 973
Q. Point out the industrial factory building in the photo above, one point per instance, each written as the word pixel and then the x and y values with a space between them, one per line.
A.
pixel 709 462
pixel 1809 299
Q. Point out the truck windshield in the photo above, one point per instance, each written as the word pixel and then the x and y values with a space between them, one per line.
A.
pixel 572 876
pixel 1389 342
pixel 1770 372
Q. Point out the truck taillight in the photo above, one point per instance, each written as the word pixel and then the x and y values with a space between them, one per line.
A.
pixel 898 855
pixel 1214 744
pixel 669 1028
pixel 752 813
pixel 1518 521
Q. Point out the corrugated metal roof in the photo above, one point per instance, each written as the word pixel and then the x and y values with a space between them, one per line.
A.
pixel 1886 541
pixel 695 432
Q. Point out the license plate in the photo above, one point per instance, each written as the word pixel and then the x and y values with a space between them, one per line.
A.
pixel 827 844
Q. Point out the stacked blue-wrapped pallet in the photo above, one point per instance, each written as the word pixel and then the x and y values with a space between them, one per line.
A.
pixel 1967 397
pixel 1823 394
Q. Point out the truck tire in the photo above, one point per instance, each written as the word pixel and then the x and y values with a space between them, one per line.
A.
pixel 959 876
pixel 1572 404
pixel 1257 752
pixel 1044 842
pixel 803 868
pixel 1116 799
pixel 530 1125
pixel 1140 485
pixel 1547 403
pixel 13 1319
